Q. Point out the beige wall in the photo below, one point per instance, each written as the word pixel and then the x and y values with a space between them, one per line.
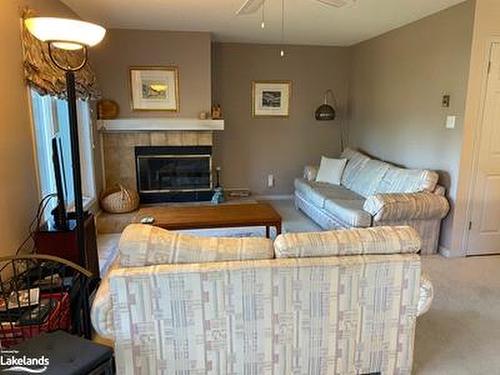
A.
pixel 486 30
pixel 249 149
pixel 18 190
pixel 124 48
pixel 398 80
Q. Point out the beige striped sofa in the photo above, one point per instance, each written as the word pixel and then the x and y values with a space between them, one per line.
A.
pixel 375 193
pixel 335 302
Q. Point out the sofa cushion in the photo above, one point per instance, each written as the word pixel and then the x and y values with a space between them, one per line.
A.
pixel 378 240
pixel 366 181
pixel 144 245
pixel 317 192
pixel 355 161
pixel 401 180
pixel 350 212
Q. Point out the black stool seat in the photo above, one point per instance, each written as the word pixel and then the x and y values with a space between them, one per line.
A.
pixel 67 354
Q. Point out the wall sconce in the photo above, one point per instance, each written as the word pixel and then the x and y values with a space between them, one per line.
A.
pixel 325 111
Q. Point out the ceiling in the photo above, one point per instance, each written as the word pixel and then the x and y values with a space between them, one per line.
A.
pixel 307 22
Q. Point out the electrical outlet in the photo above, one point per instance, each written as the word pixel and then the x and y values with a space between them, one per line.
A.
pixel 446 101
pixel 270 181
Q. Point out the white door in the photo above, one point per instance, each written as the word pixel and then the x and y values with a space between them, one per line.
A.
pixel 484 236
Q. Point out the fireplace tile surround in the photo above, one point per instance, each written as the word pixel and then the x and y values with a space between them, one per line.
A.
pixel 118 149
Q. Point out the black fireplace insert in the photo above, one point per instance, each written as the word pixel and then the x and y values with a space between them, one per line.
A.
pixel 174 173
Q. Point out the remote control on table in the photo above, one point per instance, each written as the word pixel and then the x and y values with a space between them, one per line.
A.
pixel 148 220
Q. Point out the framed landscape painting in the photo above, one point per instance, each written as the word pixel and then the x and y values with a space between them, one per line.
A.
pixel 271 98
pixel 154 88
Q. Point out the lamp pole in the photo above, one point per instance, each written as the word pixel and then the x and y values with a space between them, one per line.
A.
pixel 77 171
pixel 75 146
pixel 75 160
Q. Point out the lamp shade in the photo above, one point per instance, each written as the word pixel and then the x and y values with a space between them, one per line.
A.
pixel 65 33
pixel 325 112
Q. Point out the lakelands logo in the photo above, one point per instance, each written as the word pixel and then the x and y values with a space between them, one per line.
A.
pixel 10 361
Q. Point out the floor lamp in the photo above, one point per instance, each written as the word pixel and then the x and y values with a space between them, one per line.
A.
pixel 71 35
pixel 327 112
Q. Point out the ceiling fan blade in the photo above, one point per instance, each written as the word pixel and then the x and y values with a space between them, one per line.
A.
pixel 336 3
pixel 249 7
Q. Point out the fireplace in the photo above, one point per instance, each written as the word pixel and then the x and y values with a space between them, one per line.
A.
pixel 174 173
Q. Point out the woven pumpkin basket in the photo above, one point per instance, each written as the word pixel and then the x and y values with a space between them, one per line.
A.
pixel 119 200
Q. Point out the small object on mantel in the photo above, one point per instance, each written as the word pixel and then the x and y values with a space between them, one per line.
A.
pixel 216 112
pixel 107 109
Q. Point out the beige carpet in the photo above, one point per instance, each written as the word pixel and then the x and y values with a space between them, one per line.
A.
pixel 461 332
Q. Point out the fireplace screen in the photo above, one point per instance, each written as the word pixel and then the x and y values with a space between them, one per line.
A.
pixel 165 171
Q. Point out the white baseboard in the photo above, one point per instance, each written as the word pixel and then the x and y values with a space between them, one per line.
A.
pixel 444 251
pixel 447 253
pixel 273 197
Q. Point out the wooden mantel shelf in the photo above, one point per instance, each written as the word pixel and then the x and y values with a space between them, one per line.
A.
pixel 158 124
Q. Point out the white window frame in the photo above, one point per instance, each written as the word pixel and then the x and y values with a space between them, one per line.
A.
pixel 44 169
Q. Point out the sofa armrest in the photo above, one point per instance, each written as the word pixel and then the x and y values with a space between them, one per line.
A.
pixel 101 313
pixel 426 295
pixel 311 172
pixel 406 206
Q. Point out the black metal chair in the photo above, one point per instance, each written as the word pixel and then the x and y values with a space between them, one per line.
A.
pixel 44 310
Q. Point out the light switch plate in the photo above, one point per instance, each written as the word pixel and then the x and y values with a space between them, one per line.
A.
pixel 450 122
pixel 270 181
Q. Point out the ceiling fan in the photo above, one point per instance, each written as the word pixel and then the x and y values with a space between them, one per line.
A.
pixel 251 6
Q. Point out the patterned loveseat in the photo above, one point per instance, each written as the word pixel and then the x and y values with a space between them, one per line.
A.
pixel 375 193
pixel 335 302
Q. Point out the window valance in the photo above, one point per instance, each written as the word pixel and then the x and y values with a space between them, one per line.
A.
pixel 46 78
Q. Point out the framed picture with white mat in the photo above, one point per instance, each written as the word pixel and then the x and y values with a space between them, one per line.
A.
pixel 154 88
pixel 271 98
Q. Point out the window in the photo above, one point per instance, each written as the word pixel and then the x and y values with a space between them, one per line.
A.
pixel 50 119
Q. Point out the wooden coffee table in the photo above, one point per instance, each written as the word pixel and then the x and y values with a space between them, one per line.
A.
pixel 216 216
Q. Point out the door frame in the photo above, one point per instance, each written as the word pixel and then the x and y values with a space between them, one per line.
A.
pixel 475 145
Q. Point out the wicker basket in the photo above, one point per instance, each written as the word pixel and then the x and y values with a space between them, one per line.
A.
pixel 119 200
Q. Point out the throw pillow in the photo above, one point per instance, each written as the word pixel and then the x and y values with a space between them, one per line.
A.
pixel 330 170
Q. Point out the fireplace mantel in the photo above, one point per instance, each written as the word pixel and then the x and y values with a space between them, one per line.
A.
pixel 158 124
